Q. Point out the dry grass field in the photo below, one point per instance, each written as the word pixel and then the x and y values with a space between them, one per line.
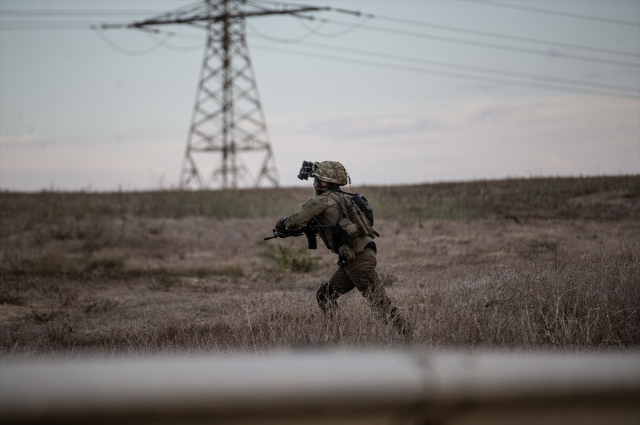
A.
pixel 528 264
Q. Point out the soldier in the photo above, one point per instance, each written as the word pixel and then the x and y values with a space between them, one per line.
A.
pixel 339 227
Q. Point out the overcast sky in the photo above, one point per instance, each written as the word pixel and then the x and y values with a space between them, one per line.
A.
pixel 77 113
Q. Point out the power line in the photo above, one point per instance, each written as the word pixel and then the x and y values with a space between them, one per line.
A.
pixel 482 33
pixel 86 1
pixel 513 74
pixel 16 12
pixel 310 32
pixel 171 46
pixel 405 21
pixel 176 34
pixel 29 24
pixel 45 28
pixel 448 74
pixel 131 52
pixel 487 45
pixel 49 25
pixel 556 13
pixel 278 39
pixel 336 34
pixel 160 42
pixel 470 68
pixel 163 42
pixel 29 12
pixel 512 37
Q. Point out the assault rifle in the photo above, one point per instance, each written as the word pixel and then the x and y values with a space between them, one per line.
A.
pixel 308 230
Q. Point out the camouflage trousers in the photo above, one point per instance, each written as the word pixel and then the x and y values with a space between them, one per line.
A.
pixel 358 273
pixel 361 273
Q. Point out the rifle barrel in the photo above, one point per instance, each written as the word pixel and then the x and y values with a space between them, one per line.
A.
pixel 295 233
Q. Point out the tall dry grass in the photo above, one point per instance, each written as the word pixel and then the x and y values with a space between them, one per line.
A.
pixel 590 304
pixel 137 273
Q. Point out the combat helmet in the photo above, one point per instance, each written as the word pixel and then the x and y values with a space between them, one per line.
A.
pixel 330 171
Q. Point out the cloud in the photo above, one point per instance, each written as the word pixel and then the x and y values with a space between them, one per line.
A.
pixel 130 136
pixel 32 162
pixel 477 139
pixel 24 140
pixel 501 113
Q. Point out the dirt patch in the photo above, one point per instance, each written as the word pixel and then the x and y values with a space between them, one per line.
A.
pixel 8 312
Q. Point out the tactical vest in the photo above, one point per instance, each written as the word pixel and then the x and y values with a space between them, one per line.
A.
pixel 352 222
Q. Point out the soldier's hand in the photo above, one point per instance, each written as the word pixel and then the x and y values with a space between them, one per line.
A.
pixel 280 227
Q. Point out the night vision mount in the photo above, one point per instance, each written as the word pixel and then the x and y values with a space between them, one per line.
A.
pixel 305 170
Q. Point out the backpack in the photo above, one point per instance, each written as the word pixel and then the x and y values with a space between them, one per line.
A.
pixel 364 206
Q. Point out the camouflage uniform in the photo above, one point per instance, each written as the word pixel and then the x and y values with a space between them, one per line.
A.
pixel 359 272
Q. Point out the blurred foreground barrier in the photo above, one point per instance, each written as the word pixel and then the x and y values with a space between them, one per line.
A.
pixel 328 387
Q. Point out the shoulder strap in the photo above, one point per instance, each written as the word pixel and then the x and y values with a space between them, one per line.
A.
pixel 342 205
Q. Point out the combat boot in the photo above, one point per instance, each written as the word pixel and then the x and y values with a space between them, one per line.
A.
pixel 400 323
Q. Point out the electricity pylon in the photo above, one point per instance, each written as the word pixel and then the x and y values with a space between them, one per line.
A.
pixel 227 116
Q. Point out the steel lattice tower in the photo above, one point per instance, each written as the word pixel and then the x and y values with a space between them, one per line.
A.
pixel 227 116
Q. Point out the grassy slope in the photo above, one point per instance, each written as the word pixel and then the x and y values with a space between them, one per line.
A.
pixel 599 198
pixel 525 264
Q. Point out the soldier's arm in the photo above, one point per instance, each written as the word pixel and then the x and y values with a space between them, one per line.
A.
pixel 311 209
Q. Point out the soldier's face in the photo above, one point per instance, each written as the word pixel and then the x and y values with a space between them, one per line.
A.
pixel 319 184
